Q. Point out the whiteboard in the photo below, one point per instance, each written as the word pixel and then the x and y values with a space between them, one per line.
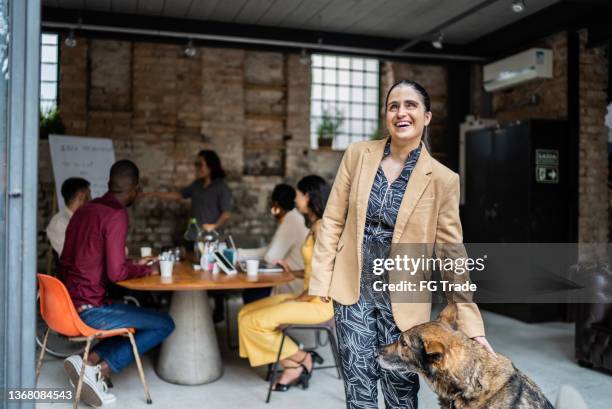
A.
pixel 88 158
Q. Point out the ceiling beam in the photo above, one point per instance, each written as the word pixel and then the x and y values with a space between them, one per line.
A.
pixel 156 28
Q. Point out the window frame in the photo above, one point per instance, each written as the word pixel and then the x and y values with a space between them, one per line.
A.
pixel 42 100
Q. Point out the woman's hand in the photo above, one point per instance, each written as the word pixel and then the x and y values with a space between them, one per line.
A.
pixel 282 263
pixel 325 299
pixel 483 341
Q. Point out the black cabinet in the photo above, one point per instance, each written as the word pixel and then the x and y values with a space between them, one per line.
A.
pixel 518 189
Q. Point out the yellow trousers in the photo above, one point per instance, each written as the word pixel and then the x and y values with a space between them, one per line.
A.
pixel 258 324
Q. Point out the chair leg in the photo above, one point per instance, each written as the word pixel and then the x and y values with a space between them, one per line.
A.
pixel 275 367
pixel 140 371
pixel 79 387
pixel 335 352
pixel 42 354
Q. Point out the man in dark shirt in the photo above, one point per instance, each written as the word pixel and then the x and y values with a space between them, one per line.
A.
pixel 93 257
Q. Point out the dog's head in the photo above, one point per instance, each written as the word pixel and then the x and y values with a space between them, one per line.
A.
pixel 427 348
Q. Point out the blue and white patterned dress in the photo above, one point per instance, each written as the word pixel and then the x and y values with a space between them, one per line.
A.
pixel 368 324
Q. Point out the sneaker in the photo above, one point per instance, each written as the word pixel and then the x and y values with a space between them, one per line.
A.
pixel 94 390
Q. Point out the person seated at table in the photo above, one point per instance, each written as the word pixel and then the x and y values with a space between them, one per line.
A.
pixel 94 257
pixel 76 193
pixel 286 245
pixel 258 322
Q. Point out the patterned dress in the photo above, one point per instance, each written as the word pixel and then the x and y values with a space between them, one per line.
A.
pixel 368 324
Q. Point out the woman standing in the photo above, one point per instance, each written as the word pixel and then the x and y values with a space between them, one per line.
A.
pixel 258 322
pixel 387 191
pixel 211 198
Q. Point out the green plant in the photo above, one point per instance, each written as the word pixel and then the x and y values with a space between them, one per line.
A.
pixel 329 126
pixel 50 122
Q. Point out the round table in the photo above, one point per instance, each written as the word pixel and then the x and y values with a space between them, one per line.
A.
pixel 190 355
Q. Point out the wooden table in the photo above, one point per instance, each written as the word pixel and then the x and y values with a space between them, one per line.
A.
pixel 190 355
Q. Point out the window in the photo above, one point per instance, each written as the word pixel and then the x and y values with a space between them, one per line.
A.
pixel 48 72
pixel 344 99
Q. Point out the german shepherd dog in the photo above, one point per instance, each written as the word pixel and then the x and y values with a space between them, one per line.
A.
pixel 462 372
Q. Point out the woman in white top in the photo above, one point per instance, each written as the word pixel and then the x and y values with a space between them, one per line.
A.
pixel 286 244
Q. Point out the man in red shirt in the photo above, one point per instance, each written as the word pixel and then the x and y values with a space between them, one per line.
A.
pixel 93 257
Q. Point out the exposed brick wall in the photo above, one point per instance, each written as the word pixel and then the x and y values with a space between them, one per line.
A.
pixel 593 180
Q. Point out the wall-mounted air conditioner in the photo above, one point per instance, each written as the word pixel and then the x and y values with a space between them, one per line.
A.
pixel 529 65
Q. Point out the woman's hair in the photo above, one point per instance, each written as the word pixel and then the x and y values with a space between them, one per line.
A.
pixel 213 162
pixel 318 191
pixel 284 195
pixel 424 99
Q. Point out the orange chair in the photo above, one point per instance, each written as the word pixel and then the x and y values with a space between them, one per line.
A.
pixel 57 310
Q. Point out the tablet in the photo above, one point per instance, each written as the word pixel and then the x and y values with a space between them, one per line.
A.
pixel 222 261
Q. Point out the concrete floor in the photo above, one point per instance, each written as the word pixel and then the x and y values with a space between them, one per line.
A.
pixel 543 351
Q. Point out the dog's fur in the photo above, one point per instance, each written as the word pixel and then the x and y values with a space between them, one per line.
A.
pixel 460 370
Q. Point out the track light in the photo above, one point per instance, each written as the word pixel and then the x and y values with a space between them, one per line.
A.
pixel 437 43
pixel 70 41
pixel 190 50
pixel 304 58
pixel 518 6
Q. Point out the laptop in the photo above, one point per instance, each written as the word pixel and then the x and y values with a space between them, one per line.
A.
pixel 264 268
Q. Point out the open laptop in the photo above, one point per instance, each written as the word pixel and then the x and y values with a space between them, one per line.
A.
pixel 264 268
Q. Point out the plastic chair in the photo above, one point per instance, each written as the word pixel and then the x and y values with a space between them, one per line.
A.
pixel 327 327
pixel 58 311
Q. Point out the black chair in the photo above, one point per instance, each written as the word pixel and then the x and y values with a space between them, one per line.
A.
pixel 327 327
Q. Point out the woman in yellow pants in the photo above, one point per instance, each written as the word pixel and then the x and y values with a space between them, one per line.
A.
pixel 258 322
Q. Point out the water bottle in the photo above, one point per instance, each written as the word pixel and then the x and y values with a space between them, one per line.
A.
pixel 193 235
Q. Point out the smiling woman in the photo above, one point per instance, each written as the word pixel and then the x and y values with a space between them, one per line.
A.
pixel 386 170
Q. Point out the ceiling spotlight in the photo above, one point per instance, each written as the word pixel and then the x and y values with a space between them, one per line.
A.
pixel 437 43
pixel 304 58
pixel 70 41
pixel 518 6
pixel 190 50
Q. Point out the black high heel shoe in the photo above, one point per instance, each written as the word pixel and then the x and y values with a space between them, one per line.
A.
pixel 316 358
pixel 303 379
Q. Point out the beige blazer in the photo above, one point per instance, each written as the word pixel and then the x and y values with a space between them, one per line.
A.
pixel 429 213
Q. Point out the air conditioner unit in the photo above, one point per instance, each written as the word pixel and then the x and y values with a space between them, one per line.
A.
pixel 529 65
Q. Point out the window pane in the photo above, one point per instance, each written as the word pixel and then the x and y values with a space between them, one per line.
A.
pixel 343 108
pixel 357 95
pixel 357 111
pixel 48 53
pixel 330 61
pixel 329 76
pixel 317 75
pixel 357 78
pixel 49 39
pixel 46 106
pixel 371 95
pixel 344 63
pixel 316 108
pixel 343 93
pixel 317 91
pixel 48 90
pixel 344 77
pixel 317 60
pixel 48 72
pixel 371 80
pixel 372 65
pixel 329 92
pixel 371 111
pixel 357 64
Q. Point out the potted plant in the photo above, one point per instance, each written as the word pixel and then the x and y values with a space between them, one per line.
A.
pixel 50 123
pixel 328 128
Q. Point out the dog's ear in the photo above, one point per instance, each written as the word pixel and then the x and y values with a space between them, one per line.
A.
pixel 434 349
pixel 449 315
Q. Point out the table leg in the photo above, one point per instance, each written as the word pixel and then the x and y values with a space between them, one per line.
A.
pixel 190 355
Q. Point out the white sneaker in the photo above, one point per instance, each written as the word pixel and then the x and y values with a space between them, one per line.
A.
pixel 94 390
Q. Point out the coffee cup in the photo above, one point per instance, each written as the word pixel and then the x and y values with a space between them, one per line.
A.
pixel 165 268
pixel 252 267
